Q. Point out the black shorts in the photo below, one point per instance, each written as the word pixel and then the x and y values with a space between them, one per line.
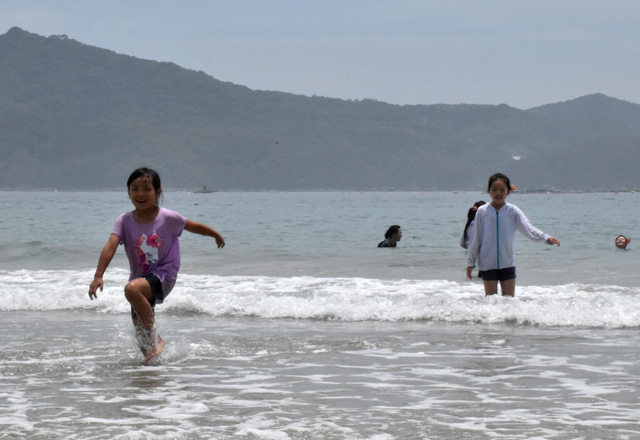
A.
pixel 156 290
pixel 506 274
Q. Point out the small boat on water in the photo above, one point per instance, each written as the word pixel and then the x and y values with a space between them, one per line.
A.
pixel 204 190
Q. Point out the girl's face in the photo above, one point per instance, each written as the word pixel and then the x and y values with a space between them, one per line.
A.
pixel 498 192
pixel 397 236
pixel 142 193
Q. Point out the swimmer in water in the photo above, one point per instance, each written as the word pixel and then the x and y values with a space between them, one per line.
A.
pixel 622 242
pixel 391 237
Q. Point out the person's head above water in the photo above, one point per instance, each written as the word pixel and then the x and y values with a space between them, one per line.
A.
pixel 622 242
pixel 393 234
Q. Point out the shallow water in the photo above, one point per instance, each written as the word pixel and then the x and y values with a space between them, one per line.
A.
pixel 301 329
pixel 79 375
pixel 331 234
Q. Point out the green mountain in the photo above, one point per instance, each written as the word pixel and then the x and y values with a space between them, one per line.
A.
pixel 73 116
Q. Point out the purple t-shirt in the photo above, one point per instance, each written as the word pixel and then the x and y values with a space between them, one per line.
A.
pixel 153 248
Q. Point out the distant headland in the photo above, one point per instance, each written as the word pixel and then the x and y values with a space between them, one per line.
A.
pixel 75 116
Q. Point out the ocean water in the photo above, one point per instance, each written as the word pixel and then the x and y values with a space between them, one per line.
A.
pixel 300 328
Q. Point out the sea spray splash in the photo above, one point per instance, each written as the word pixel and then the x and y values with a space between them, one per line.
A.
pixel 340 299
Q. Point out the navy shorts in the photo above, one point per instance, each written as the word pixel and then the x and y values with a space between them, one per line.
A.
pixel 156 290
pixel 506 274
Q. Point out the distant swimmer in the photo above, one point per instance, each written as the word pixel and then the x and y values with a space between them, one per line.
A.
pixel 622 242
pixel 150 237
pixel 494 232
pixel 391 237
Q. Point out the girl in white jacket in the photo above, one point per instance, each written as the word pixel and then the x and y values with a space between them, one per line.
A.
pixel 494 231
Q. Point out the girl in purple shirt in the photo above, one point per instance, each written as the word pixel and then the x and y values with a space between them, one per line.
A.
pixel 150 237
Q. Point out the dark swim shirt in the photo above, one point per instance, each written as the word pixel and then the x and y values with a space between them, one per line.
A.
pixel 386 243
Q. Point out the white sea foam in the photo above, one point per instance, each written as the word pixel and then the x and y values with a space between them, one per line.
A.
pixel 340 299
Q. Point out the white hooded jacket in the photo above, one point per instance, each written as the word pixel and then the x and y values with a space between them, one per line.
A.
pixel 494 234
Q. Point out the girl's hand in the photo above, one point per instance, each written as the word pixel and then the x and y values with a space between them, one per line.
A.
pixel 202 229
pixel 93 288
pixel 469 269
pixel 553 241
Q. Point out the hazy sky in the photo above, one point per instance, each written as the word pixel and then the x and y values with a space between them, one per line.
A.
pixel 521 53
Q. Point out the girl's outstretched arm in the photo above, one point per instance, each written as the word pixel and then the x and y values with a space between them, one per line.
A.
pixel 202 229
pixel 524 226
pixel 106 256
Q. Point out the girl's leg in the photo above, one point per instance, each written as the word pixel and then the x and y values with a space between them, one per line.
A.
pixel 508 287
pixel 490 287
pixel 138 293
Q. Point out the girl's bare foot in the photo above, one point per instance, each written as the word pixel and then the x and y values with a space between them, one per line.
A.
pixel 154 350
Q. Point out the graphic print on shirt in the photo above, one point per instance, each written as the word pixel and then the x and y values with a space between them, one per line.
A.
pixel 147 249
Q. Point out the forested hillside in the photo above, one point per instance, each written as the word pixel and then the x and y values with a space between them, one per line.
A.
pixel 73 116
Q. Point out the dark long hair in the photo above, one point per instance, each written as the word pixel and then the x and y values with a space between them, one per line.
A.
pixel 471 215
pixel 392 230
